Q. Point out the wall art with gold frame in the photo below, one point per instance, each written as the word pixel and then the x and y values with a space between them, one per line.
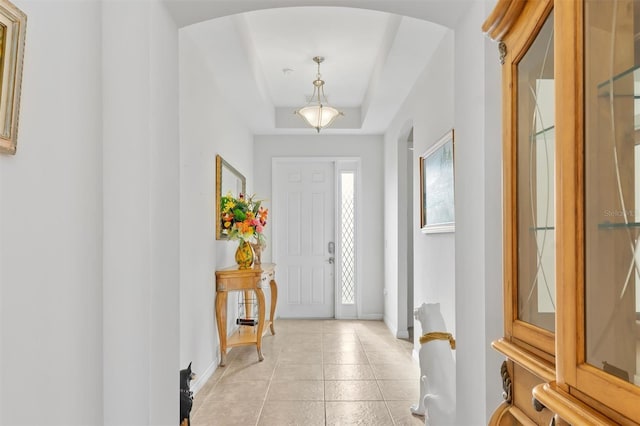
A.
pixel 13 25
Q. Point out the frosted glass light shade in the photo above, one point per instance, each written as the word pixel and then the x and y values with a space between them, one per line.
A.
pixel 318 116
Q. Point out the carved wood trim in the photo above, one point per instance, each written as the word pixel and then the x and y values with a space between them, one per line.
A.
pixel 541 368
pixel 601 408
pixel 502 18
pixel 505 415
pixel 498 415
pixel 506 383
pixel 502 51
pixel 592 381
pixel 567 407
pixel 536 336
pixel 521 417
pixel 496 15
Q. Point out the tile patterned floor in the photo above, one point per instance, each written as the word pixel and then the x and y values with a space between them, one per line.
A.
pixel 315 372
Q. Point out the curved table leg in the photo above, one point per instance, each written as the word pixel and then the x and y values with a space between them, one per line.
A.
pixel 274 299
pixel 261 302
pixel 221 318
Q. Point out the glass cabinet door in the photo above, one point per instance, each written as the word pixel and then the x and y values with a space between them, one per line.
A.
pixel 612 187
pixel 535 145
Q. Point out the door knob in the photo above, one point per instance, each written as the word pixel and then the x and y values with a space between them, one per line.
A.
pixel 330 260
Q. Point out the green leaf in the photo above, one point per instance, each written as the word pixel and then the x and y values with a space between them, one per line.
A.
pixel 239 215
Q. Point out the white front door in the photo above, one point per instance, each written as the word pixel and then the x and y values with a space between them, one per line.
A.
pixel 303 212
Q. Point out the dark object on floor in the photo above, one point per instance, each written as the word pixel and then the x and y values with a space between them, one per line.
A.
pixel 247 321
pixel 186 396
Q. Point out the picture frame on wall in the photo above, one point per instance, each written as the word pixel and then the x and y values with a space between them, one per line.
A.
pixel 13 24
pixel 437 211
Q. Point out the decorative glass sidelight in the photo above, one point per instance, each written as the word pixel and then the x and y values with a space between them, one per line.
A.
pixel 536 181
pixel 347 236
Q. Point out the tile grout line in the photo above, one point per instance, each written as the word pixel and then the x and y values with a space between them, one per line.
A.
pixel 380 389
pixel 324 379
pixel 264 400
pixel 328 335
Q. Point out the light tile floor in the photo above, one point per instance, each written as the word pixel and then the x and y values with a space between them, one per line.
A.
pixel 315 372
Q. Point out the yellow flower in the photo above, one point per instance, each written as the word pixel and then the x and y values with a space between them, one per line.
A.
pixel 242 218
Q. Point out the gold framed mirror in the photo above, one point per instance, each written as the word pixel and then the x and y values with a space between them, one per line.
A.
pixel 228 179
pixel 13 24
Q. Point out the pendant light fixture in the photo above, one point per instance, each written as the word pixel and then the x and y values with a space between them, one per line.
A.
pixel 317 113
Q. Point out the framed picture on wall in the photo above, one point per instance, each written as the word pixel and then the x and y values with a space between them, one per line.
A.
pixel 12 36
pixel 437 187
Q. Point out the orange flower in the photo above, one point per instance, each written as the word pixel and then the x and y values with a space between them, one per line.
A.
pixel 245 227
pixel 243 218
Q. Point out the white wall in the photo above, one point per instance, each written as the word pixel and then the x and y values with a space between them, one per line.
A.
pixel 434 254
pixel 207 127
pixel 51 225
pixel 89 230
pixel 140 219
pixel 409 226
pixel 478 217
pixel 369 149
pixel 164 216
pixel 459 89
pixel 430 109
pixel 405 231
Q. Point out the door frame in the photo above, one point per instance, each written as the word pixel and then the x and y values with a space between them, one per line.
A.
pixel 405 226
pixel 343 163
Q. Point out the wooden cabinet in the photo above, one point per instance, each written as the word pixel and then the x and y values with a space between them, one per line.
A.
pixel 571 197
pixel 248 281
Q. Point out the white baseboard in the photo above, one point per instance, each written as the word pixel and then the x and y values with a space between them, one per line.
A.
pixel 367 317
pixel 393 328
pixel 372 317
pixel 201 379
pixel 402 334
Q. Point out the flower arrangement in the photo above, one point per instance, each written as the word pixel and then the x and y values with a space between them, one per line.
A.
pixel 243 218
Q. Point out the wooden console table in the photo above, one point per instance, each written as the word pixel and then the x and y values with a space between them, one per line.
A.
pixel 234 279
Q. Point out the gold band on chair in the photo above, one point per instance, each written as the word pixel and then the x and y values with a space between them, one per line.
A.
pixel 437 335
